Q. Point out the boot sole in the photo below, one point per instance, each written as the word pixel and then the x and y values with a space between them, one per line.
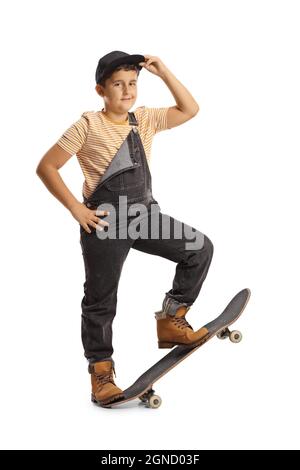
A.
pixel 163 345
pixel 108 401
pixel 169 345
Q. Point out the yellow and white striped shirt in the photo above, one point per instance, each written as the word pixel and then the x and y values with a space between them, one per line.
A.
pixel 95 139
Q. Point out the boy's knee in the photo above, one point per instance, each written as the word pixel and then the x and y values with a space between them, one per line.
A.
pixel 208 246
pixel 205 252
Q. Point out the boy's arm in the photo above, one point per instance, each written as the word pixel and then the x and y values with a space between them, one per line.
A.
pixel 186 106
pixel 47 170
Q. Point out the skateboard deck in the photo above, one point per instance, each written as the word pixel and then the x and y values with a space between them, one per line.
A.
pixel 142 387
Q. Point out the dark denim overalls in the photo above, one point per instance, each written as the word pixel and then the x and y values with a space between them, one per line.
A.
pixel 128 176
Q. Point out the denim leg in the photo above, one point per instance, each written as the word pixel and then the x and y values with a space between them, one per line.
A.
pixel 103 262
pixel 193 259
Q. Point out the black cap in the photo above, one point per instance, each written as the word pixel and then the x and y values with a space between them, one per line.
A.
pixel 113 59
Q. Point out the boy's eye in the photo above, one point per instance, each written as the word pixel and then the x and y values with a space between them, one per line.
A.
pixel 116 84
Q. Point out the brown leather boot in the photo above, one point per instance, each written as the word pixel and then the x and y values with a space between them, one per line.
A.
pixel 104 389
pixel 173 330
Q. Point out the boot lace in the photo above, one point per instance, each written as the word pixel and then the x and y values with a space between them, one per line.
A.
pixel 181 323
pixel 102 379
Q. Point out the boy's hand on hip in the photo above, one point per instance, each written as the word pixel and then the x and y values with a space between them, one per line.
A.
pixel 154 65
pixel 87 217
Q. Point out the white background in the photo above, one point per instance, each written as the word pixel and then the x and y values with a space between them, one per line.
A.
pixel 232 172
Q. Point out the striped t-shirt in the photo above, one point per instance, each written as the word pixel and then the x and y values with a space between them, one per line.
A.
pixel 95 139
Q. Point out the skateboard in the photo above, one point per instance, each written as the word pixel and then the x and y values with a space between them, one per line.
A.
pixel 142 387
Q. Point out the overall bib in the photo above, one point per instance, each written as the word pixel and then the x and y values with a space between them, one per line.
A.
pixel 128 177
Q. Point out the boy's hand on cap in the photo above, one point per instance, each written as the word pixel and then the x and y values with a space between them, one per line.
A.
pixel 87 217
pixel 154 65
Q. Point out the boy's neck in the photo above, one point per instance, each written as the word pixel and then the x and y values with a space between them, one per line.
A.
pixel 119 118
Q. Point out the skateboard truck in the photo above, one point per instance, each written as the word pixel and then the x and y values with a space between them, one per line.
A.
pixel 235 336
pixel 150 399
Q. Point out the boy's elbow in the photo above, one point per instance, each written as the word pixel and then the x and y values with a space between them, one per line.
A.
pixel 193 111
pixel 196 111
pixel 39 169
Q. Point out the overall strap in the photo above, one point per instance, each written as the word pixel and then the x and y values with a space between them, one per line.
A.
pixel 132 119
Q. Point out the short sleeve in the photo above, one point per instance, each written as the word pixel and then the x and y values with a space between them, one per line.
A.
pixel 75 136
pixel 157 118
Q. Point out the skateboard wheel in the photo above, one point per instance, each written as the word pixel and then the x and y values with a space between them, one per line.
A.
pixel 145 397
pixel 154 401
pixel 235 336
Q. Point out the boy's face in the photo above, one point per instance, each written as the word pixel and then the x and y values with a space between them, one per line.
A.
pixel 120 91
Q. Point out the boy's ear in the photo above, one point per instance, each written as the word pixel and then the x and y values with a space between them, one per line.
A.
pixel 99 90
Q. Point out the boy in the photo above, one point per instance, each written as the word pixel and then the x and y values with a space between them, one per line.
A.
pixel 113 149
